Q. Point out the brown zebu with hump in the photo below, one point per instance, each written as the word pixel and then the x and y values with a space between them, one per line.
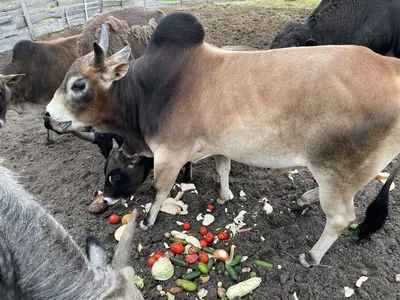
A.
pixel 332 109
pixel 41 67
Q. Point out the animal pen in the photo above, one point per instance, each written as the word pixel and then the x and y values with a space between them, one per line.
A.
pixel 29 19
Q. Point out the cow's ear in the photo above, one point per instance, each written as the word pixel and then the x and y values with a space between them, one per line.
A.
pixel 13 78
pixel 95 252
pixel 118 71
pixel 119 64
pixel 311 42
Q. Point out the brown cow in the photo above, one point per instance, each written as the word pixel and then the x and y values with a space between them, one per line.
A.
pixel 131 26
pixel 333 109
pixel 35 61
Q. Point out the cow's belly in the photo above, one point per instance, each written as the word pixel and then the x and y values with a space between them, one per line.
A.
pixel 256 149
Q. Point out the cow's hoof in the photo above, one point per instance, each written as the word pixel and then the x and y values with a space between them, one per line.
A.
pixel 307 260
pixel 301 203
pixel 220 201
pixel 144 226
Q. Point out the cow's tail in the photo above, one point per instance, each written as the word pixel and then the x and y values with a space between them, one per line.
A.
pixel 378 210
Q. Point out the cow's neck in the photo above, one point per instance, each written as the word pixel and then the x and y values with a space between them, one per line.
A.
pixel 126 94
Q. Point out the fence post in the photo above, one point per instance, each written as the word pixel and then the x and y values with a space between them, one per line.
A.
pixel 28 19
pixel 86 13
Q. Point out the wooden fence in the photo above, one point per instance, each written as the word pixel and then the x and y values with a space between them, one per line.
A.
pixel 28 19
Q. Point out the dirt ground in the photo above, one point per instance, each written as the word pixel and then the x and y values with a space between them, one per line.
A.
pixel 65 175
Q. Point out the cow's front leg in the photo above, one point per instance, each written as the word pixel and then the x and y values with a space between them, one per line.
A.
pixel 165 174
pixel 309 197
pixel 223 165
pixel 188 175
pixel 50 137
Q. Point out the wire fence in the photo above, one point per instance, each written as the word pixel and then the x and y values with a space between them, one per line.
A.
pixel 28 19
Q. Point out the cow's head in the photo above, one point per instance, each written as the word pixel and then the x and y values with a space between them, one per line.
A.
pixel 293 35
pixel 5 93
pixel 82 99
pixel 124 174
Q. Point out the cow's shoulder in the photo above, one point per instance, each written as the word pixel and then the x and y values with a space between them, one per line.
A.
pixel 178 29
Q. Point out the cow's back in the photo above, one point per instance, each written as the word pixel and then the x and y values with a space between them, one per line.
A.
pixel 44 65
pixel 370 23
pixel 123 25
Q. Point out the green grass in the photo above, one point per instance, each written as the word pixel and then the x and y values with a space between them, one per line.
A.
pixel 282 3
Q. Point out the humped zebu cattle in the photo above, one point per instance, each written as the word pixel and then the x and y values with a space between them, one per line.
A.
pixel 370 23
pixel 26 85
pixel 333 109
pixel 40 261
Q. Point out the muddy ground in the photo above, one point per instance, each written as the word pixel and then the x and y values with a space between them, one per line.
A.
pixel 64 176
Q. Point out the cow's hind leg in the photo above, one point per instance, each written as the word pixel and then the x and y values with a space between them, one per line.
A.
pixel 223 166
pixel 309 197
pixel 165 174
pixel 338 207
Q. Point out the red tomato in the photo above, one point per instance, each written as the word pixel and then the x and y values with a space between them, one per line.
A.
pixel 203 257
pixel 191 258
pixel 209 237
pixel 210 207
pixel 151 261
pixel 222 236
pixel 186 226
pixel 177 248
pixel 157 255
pixel 114 219
pixel 203 243
pixel 203 230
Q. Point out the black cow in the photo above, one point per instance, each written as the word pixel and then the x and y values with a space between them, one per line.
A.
pixel 124 174
pixel 370 23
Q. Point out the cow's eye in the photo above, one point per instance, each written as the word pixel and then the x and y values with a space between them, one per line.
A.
pixel 79 86
pixel 116 177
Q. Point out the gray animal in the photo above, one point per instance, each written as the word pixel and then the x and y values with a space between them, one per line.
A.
pixel 40 261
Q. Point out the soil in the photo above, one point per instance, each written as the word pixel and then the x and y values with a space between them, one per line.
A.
pixel 65 175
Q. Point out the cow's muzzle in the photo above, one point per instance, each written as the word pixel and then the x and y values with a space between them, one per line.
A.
pixel 58 127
